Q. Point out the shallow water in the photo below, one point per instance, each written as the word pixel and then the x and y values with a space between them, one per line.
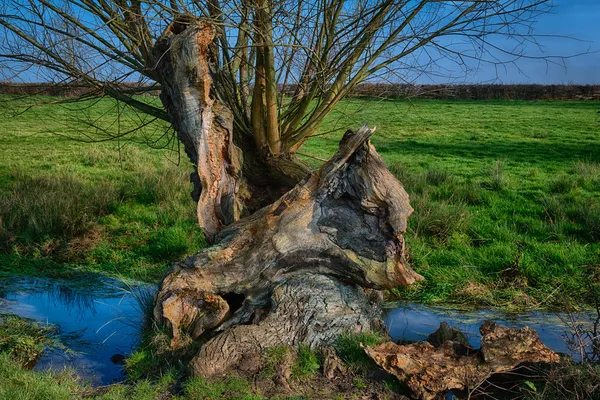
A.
pixel 415 322
pixel 104 316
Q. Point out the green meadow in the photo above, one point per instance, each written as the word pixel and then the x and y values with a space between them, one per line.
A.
pixel 506 195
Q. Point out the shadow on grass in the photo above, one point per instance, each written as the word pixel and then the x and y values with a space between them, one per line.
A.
pixel 522 152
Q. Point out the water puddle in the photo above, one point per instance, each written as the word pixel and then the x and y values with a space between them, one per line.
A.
pixel 413 322
pixel 103 318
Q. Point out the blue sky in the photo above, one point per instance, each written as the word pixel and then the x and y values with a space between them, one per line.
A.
pixel 577 18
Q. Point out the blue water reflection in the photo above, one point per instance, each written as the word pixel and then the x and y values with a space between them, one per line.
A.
pixel 104 316
pixel 415 322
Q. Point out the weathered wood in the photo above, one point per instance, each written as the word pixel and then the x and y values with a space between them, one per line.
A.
pixel 294 271
pixel 234 175
pixel 204 125
pixel 429 370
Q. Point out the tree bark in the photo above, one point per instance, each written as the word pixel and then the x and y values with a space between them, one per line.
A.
pixel 234 174
pixel 295 271
pixel 204 125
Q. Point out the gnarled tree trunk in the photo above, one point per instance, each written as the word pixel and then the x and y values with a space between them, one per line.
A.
pixel 233 175
pixel 203 124
pixel 304 268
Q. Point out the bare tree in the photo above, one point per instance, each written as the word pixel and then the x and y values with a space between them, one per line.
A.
pixel 288 265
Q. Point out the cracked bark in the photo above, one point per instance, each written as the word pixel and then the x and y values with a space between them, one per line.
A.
pixel 204 125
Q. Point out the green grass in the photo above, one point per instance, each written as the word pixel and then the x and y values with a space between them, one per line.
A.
pixel 68 207
pixel 17 383
pixel 307 362
pixel 350 348
pixel 154 357
pixel 22 342
pixel 506 197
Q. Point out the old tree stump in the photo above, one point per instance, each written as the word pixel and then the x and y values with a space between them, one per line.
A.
pixel 299 270
pixel 302 267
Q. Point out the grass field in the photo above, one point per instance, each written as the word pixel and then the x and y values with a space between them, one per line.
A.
pixel 506 197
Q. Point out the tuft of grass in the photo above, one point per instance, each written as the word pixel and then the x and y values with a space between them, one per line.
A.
pixel 469 194
pixel 359 383
pixel 436 176
pixel 437 219
pixel 154 357
pixel 140 364
pixel 141 390
pixel 587 214
pixel 307 362
pixel 273 357
pixel 588 171
pixel 350 347
pixel 497 180
pixel 554 209
pixel 414 182
pixel 25 340
pixel 573 215
pixel 564 183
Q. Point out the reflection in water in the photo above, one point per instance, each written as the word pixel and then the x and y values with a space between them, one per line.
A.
pixel 103 314
pixel 414 322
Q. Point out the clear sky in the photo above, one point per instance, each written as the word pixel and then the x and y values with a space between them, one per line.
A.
pixel 577 18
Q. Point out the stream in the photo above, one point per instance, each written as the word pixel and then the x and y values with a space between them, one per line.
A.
pixel 102 318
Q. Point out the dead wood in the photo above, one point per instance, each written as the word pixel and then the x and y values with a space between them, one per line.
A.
pixel 294 271
pixel 429 370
